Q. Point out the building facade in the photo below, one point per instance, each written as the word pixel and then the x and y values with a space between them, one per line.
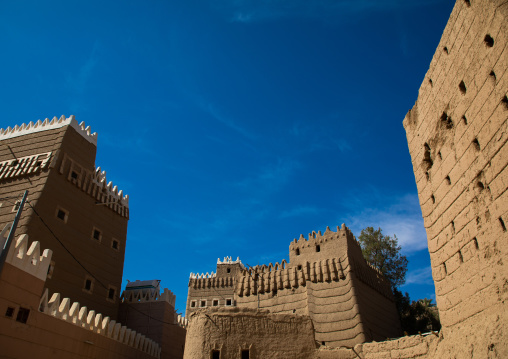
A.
pixel 326 279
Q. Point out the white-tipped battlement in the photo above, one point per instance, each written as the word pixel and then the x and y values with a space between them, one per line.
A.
pixel 228 260
pixel 28 259
pixel 201 275
pixel 182 321
pixel 82 317
pixel 143 296
pixel 99 178
pixel 47 125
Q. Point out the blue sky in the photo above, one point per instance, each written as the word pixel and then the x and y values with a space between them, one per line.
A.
pixel 234 125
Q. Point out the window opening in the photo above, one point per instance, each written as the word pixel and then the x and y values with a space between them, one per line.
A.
pixel 448 180
pixel 475 243
pixel 445 49
pixel 299 267
pixel 318 248
pixel 61 214
pixel 23 314
pixel 74 175
pixel 193 304
pixel 203 303
pixel 114 244
pixel 462 87
pixel 228 270
pixel 433 198
pixel 88 284
pixel 503 226
pixel 96 234
pixel 245 353
pixel 111 293
pixel 215 354
pixel 9 312
pixel 488 40
pixel 476 144
pixel 427 158
pixel 229 302
pixel 215 303
pixel 468 3
pixel 505 101
pixel 297 251
pixel 480 186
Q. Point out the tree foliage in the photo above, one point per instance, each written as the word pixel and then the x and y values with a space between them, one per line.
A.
pixel 384 253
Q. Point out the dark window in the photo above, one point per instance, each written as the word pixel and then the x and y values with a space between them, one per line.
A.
pixel 215 303
pixel 114 244
pixel 9 312
pixel 462 87
pixel 297 251
pixel 74 175
pixel 23 314
pixel 111 293
pixel 228 270
pixel 61 215
pixel 88 284
pixel 228 302
pixel 96 234
pixel 488 40
pixel 300 267
pixel 203 303
pixel 193 304
pixel 215 354
pixel 245 353
pixel 318 248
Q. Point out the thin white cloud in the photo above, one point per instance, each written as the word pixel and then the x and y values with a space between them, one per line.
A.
pixel 225 120
pixel 272 177
pixel 419 276
pixel 396 215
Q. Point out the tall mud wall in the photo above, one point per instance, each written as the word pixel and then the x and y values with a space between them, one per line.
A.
pixel 457 134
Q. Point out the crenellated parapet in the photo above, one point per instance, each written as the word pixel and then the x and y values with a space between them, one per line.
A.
pixel 25 257
pixel 182 321
pixel 315 238
pixel 144 296
pixel 211 280
pixel 73 313
pixel 47 125
pixel 272 278
pixel 228 260
pixel 95 184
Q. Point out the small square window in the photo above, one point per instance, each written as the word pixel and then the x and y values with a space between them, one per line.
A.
pixel 203 304
pixel 300 267
pixel 229 302
pixel 9 312
pixel 62 214
pixel 318 248
pixel 23 314
pixel 74 175
pixel 215 302
pixel 215 354
pixel 111 294
pixel 245 353
pixel 115 244
pixel 193 304
pixel 88 284
pixel 228 270
pixel 96 234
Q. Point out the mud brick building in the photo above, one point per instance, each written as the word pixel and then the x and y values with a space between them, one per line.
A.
pixel 327 280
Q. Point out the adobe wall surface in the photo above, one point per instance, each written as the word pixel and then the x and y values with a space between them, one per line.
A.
pixel 69 182
pixel 457 134
pixel 43 335
pixel 157 320
pixel 265 335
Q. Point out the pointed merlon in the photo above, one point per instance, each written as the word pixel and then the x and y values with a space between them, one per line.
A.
pixel 49 125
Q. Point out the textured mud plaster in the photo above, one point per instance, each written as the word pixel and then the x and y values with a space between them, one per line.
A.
pixel 457 133
pixel 229 331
